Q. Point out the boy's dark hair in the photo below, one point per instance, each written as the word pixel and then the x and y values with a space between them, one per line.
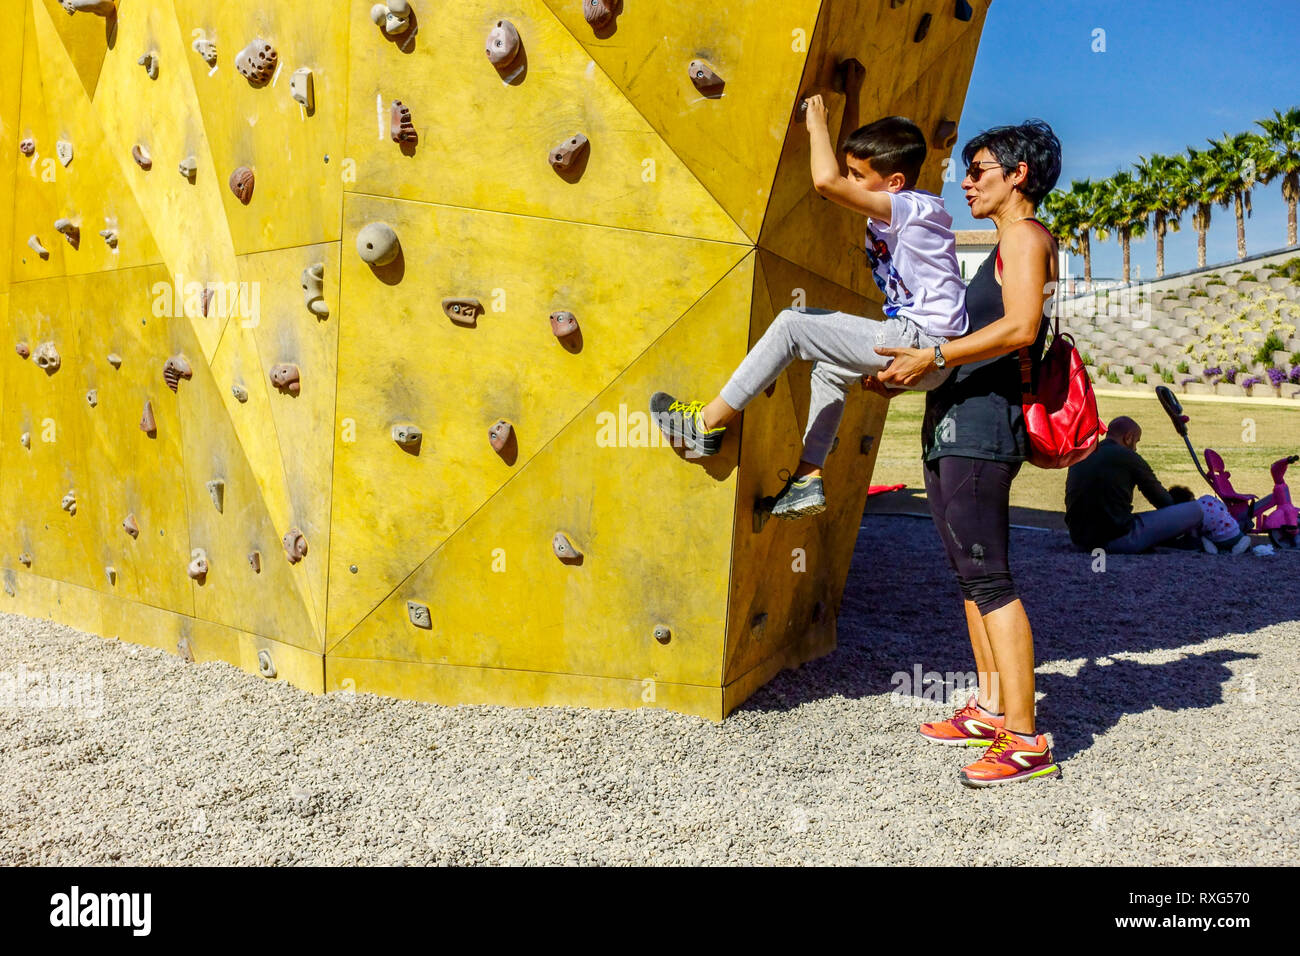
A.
pixel 1032 143
pixel 1181 494
pixel 892 145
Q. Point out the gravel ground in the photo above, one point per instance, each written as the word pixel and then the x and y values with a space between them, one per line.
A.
pixel 1165 682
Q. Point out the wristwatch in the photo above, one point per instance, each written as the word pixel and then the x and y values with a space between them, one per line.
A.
pixel 939 360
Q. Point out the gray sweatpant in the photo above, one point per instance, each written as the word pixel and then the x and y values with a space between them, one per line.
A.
pixel 842 349
pixel 1152 527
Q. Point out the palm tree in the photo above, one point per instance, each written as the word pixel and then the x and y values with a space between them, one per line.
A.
pixel 1238 159
pixel 1081 220
pixel 1202 190
pixel 1160 177
pixel 1122 210
pixel 1282 158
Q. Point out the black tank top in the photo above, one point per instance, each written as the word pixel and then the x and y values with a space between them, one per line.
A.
pixel 978 411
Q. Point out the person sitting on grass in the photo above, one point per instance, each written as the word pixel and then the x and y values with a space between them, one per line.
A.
pixel 1219 530
pixel 1099 498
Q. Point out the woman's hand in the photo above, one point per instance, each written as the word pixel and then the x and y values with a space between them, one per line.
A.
pixel 872 384
pixel 908 366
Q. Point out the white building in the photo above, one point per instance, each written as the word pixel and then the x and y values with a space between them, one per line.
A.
pixel 974 246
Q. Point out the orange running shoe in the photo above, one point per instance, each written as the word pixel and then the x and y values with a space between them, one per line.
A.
pixel 969 727
pixel 1010 759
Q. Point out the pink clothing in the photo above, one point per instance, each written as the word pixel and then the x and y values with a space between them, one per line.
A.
pixel 1217 523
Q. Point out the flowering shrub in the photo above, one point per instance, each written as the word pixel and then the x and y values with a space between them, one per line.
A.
pixel 1251 381
pixel 1294 377
pixel 1276 376
pixel 1214 372
pixel 1230 374
pixel 1187 381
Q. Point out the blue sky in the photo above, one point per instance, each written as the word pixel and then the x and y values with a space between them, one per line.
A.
pixel 1173 75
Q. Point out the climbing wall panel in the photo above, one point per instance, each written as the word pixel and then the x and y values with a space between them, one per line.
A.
pixel 85 38
pixel 14 13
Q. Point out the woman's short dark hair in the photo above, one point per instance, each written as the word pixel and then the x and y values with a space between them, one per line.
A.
pixel 892 145
pixel 1032 143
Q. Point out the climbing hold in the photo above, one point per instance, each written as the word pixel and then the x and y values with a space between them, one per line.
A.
pixel 922 29
pixel 217 491
pixel 70 232
pixel 568 152
pixel 407 435
pixel 176 368
pixel 758 625
pixel 265 666
pixel 598 12
pixel 819 612
pixel 104 8
pixel 47 357
pixel 39 249
pixel 150 63
pixel 419 614
pixel 22 350
pixel 147 423
pixel 894 4
pixel 945 134
pixel 63 149
pixel 141 156
pixel 503 44
pixel 25 439
pixel 564 549
pixel 462 311
pixel 295 545
pixel 240 393
pixel 662 634
pixel 27 146
pixel 110 237
pixel 241 184
pixel 377 243
pixel 256 62
pixel 563 324
pixel 394 17
pixel 110 572
pixel 207 49
pixel 25 559
pixel 963 11
pixel 285 377
pixel 302 87
pixel 188 167
pixel 499 434
pixel 400 126
pixel 185 649
pixel 69 503
pixel 705 78
pixel 92 398
pixel 130 527
pixel 114 360
pixel 313 279
pixel 207 300
pixel 255 561
pixel 198 568
pixel 865 445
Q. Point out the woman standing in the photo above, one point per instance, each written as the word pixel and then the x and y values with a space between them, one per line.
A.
pixel 975 442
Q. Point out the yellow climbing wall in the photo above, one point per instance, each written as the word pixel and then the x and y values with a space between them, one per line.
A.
pixel 687 224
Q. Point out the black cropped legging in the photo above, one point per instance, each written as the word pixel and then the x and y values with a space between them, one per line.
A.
pixel 970 502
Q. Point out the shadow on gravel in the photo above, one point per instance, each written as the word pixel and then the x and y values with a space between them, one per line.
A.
pixel 902 611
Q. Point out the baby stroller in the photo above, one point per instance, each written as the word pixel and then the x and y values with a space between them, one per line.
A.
pixel 1273 515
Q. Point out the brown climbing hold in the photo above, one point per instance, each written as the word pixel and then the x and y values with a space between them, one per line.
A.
pixel 69 231
pixel 114 360
pixel 217 491
pixel 22 350
pixel 407 435
pixel 130 526
pixel 462 311
pixel 241 184
pixel 285 377
pixel 110 572
pixel 758 626
pixel 419 614
pixel 25 559
pixel 207 300
pixel 377 244
pixel 69 503
pixel 499 434
pixel 313 290
pixel 150 63
pixel 945 134
pixel 598 12
pixel 400 126
pixel 198 567
pixel 176 368
pixel 27 146
pixel 563 324
pixel 185 649
pixel 662 633
pixel 47 357
pixel 240 393
pixel 38 247
pixel 92 398
pixel 564 549
pixel 295 545
pixel 922 29
pixel 256 62
pixel 141 157
pixel 503 44
pixel 147 423
pixel 705 78
pixel 864 446
pixel 109 236
pixel 567 153
pixel 255 561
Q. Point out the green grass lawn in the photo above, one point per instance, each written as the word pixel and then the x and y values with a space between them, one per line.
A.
pixel 1038 495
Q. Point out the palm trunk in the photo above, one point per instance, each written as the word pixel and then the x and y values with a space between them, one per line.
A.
pixel 1123 242
pixel 1087 259
pixel 1241 227
pixel 1290 221
pixel 1160 244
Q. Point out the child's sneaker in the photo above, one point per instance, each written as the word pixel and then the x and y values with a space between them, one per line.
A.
pixel 969 727
pixel 801 497
pixel 680 422
pixel 1010 759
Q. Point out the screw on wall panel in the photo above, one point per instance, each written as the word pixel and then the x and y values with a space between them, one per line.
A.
pixel 286 378
pixel 662 634
pixel 565 550
pixel 352 568
pixel 419 614
pixel 564 156
pixel 295 545
pixel 147 423
pixel 503 44
pixel 38 247
pixel 706 78
pixel 130 526
pixel 265 666
pixel 176 368
pixel 217 491
pixel 313 290
pixel 198 566
pixel 255 561
pixel 462 311
pixel 377 244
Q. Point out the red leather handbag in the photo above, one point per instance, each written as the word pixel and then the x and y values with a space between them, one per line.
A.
pixel 1061 412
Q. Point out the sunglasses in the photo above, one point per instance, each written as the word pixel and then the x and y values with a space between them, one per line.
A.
pixel 976 170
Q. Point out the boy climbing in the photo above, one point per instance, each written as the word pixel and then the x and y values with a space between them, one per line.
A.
pixel 912 251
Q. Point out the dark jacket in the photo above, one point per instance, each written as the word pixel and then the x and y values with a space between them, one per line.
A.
pixel 1099 494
